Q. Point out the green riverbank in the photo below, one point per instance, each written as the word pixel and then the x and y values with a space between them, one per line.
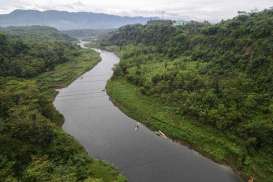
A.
pixel 33 145
pixel 159 116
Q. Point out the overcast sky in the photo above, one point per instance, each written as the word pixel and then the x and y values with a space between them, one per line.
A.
pixel 211 10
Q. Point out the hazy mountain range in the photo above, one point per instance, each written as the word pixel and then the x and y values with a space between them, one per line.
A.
pixel 63 20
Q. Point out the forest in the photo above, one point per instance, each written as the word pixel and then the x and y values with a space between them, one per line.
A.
pixel 26 52
pixel 216 76
pixel 34 61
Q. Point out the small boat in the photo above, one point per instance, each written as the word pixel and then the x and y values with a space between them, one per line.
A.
pixel 137 126
pixel 161 134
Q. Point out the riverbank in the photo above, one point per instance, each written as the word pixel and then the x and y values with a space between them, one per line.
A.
pixel 159 116
pixel 32 136
pixel 108 134
pixel 61 77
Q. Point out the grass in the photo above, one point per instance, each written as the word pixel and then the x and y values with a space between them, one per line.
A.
pixel 62 76
pixel 35 118
pixel 214 144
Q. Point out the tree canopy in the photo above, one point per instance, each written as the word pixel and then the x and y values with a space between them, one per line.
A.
pixel 217 75
pixel 33 146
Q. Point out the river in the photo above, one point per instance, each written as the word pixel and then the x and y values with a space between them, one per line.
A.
pixel 108 134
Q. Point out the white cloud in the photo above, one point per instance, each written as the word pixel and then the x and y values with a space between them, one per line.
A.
pixel 194 9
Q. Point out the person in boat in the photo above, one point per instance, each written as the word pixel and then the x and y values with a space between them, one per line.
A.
pixel 137 126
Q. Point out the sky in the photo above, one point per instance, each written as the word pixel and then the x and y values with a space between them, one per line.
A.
pixel 211 10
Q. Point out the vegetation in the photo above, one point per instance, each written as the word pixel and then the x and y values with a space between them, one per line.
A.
pixel 33 147
pixel 88 34
pixel 36 32
pixel 213 83
pixel 24 55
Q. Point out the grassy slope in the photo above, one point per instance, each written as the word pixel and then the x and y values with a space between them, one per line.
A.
pixel 63 159
pixel 64 74
pixel 159 116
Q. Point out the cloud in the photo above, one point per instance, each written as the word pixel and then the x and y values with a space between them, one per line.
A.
pixel 213 10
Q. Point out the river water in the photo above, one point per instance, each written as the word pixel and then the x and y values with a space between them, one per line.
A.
pixel 108 134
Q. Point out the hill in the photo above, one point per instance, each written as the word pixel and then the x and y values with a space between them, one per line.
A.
pixel 35 33
pixel 213 83
pixel 33 146
pixel 63 20
pixel 88 34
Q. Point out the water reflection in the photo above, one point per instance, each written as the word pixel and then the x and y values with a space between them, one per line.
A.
pixel 108 134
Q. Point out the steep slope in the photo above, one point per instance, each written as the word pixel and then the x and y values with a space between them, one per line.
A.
pixel 34 33
pixel 33 146
pixel 215 76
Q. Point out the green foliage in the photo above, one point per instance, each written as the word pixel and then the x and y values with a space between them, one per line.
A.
pixel 23 58
pixel 33 146
pixel 88 34
pixel 36 32
pixel 214 75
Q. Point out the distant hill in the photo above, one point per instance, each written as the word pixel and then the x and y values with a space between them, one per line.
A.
pixel 63 20
pixel 36 32
pixel 88 34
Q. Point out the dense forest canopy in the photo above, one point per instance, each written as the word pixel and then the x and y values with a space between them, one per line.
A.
pixel 28 51
pixel 217 75
pixel 37 32
pixel 227 66
pixel 34 61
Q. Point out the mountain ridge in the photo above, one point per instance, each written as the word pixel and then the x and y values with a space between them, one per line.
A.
pixel 64 20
